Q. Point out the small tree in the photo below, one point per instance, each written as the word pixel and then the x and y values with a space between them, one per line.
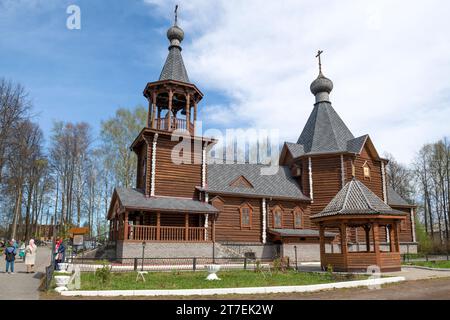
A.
pixel 425 243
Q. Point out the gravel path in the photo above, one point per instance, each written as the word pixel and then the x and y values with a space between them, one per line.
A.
pixel 20 285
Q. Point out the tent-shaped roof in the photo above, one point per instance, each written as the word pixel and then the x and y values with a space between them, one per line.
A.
pixel 356 199
pixel 174 68
pixel 324 131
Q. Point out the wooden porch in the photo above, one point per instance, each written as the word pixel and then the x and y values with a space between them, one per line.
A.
pixel 162 227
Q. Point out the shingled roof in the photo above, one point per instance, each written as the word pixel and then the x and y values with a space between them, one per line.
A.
pixel 300 233
pixel 324 131
pixel 394 199
pixel 277 185
pixel 356 199
pixel 174 68
pixel 131 198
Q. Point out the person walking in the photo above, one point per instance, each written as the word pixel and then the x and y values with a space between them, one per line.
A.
pixel 30 256
pixel 10 256
pixel 60 253
pixel 22 251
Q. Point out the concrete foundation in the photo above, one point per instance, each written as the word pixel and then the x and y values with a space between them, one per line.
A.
pixel 164 250
pixel 306 252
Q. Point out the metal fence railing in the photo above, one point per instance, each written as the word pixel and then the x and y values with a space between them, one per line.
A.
pixel 167 264
pixel 409 258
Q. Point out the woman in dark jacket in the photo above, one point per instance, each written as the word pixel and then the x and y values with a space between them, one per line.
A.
pixel 10 257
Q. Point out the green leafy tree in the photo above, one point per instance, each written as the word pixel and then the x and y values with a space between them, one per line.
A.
pixel 425 244
pixel 117 134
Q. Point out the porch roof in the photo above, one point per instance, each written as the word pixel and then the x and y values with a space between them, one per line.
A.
pixel 355 199
pixel 300 233
pixel 131 198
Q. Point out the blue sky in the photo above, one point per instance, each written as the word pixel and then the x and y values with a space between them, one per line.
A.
pixel 253 60
pixel 83 75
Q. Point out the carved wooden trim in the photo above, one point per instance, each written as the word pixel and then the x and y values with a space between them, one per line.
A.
pixel 248 206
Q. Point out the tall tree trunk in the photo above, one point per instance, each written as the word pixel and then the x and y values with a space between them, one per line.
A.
pixel 27 212
pixel 17 212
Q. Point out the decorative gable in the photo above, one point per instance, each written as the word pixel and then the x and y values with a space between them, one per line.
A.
pixel 241 182
pixel 217 202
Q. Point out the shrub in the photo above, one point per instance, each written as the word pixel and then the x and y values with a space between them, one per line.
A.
pixel 330 269
pixel 258 267
pixel 103 274
pixel 281 264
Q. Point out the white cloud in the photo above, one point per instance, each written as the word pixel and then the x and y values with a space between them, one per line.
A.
pixel 389 61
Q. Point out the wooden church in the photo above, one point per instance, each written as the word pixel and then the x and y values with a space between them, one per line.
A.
pixel 329 200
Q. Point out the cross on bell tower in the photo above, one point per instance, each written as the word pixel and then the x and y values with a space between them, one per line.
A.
pixel 173 96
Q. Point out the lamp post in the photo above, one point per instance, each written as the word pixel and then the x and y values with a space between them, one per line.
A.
pixel 143 255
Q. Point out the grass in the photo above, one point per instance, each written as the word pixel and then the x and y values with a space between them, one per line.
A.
pixel 432 264
pixel 196 280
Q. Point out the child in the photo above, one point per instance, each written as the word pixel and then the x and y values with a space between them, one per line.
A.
pixel 10 256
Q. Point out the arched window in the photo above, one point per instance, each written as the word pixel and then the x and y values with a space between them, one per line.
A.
pixel 277 217
pixel 298 218
pixel 246 215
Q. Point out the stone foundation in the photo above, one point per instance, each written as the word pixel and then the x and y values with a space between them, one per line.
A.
pixel 306 252
pixel 164 250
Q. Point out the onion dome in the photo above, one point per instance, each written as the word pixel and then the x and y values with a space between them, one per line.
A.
pixel 321 88
pixel 175 35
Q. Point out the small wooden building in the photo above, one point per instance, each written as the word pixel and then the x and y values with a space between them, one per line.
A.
pixel 355 206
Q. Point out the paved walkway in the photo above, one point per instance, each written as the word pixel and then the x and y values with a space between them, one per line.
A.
pixel 23 286
pixel 411 273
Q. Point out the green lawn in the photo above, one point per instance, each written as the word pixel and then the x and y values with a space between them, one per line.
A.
pixel 196 280
pixel 432 264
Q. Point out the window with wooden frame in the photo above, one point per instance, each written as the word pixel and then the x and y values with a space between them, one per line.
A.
pixel 366 170
pixel 246 215
pixel 277 214
pixel 298 218
pixel 403 225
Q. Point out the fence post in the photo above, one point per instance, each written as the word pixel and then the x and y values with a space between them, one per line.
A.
pixel 135 264
pixel 296 263
pixel 194 264
pixel 245 263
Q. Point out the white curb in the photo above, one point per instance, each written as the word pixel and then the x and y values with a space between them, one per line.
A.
pixel 250 290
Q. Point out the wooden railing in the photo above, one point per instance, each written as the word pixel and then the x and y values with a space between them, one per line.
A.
pixel 180 124
pixel 153 233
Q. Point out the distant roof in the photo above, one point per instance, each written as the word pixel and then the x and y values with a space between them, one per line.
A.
pixel 277 185
pixel 295 149
pixel 394 199
pixel 135 199
pixel 300 233
pixel 174 68
pixel 356 199
pixel 324 131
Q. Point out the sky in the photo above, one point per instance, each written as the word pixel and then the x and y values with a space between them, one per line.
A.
pixel 253 60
